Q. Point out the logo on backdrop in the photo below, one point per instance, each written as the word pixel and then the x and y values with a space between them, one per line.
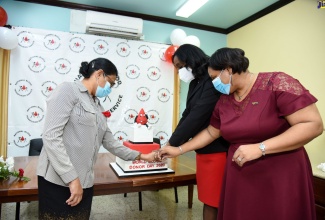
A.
pixel 48 87
pixel 78 77
pixel 120 136
pixel 62 66
pixel 100 47
pixel 163 137
pixel 144 52
pixel 52 42
pixel 163 95
pixel 321 4
pixel 123 49
pixel 153 116
pixel 23 87
pixel 22 138
pixel 77 44
pixel 35 114
pixel 25 39
pixel 143 94
pixel 36 64
pixel 162 53
pixel 132 71
pixel 153 73
pixel 129 116
pixel 117 104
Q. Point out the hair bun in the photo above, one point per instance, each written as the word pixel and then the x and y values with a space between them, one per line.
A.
pixel 84 69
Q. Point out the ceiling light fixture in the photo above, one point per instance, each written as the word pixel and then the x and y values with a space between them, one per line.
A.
pixel 190 7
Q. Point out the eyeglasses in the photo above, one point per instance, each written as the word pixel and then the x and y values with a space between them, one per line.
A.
pixel 111 82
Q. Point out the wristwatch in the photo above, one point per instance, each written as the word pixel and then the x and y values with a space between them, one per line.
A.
pixel 138 157
pixel 262 148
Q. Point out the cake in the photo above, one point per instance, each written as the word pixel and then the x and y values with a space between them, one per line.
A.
pixel 141 139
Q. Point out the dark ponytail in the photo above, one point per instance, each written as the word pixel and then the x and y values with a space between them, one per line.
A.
pixel 87 69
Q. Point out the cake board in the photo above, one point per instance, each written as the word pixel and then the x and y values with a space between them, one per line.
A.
pixel 121 173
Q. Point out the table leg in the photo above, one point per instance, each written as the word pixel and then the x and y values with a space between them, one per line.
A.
pixel 190 195
pixel 140 201
pixel 17 210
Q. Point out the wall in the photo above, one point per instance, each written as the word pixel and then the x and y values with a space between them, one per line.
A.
pixel 55 18
pixel 290 39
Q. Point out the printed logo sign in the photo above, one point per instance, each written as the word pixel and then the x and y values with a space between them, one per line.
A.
pixel 132 71
pixel 144 52
pixel 25 39
pixel 163 95
pixel 129 116
pixel 36 64
pixel 100 47
pixel 117 104
pixel 162 53
pixel 153 116
pixel 143 94
pixel 77 44
pixel 48 87
pixel 163 137
pixel 23 87
pixel 62 66
pixel 153 73
pixel 120 136
pixel 52 42
pixel 123 49
pixel 22 138
pixel 35 114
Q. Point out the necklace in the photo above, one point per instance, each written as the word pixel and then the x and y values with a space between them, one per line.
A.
pixel 249 85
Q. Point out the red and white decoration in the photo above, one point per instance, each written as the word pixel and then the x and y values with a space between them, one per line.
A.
pixel 45 58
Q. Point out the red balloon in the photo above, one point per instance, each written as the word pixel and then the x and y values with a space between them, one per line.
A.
pixel 3 17
pixel 170 52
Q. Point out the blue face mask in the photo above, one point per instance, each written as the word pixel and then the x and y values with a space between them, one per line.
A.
pixel 220 86
pixel 103 92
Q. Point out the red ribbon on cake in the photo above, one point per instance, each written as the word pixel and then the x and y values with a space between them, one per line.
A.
pixel 107 114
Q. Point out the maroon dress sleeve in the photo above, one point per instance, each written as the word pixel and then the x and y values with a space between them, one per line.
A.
pixel 290 94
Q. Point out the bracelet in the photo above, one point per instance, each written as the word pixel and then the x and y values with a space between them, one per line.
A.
pixel 180 148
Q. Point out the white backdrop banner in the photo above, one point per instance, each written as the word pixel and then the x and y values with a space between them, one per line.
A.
pixel 45 58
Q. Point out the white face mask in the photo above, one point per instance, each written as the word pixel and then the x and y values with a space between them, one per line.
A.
pixel 185 74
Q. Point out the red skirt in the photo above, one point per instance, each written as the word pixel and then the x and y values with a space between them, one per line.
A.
pixel 209 174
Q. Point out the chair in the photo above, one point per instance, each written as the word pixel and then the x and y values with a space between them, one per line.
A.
pixel 35 148
pixel 155 140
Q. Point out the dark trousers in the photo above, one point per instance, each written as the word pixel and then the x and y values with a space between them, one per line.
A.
pixel 52 202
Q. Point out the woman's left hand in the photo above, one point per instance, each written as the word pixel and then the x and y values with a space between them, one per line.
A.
pixel 246 153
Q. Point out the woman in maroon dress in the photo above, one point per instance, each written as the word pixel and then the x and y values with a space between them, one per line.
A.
pixel 267 118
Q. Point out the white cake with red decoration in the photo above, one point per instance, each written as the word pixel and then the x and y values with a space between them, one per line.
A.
pixel 141 139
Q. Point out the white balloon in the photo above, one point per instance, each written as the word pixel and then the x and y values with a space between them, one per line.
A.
pixel 8 39
pixel 194 40
pixel 177 36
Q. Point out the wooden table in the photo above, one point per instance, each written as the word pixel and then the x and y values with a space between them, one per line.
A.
pixel 106 181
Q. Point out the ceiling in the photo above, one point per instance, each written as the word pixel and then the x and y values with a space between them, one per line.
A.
pixel 222 16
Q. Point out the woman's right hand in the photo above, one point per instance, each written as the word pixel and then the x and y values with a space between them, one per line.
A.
pixel 76 193
pixel 169 152
pixel 149 157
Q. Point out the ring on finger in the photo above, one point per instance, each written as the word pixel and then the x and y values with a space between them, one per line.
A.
pixel 239 159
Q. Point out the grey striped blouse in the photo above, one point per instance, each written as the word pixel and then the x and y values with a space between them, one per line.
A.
pixel 74 129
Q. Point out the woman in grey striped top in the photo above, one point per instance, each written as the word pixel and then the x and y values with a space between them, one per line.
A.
pixel 74 130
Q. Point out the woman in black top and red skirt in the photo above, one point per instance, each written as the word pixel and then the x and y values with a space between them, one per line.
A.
pixel 190 62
